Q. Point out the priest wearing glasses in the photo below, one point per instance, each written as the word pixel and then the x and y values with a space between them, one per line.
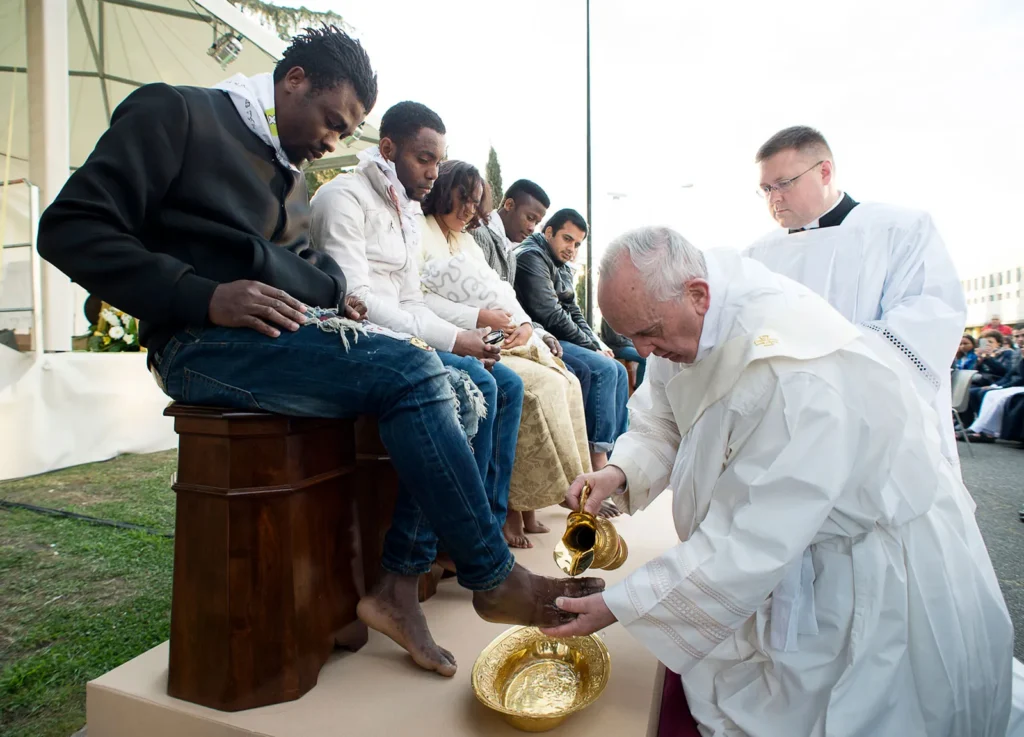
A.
pixel 884 268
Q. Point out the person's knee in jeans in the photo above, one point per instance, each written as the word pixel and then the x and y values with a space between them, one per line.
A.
pixel 608 377
pixel 481 391
pixel 506 435
pixel 582 373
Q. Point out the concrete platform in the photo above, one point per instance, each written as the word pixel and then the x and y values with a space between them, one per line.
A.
pixel 379 691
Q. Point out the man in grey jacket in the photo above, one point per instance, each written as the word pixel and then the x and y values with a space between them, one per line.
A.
pixel 544 287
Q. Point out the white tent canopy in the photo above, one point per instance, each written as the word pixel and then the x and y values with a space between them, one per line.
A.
pixel 116 46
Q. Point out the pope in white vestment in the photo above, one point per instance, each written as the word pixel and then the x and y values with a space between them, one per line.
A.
pixel 789 439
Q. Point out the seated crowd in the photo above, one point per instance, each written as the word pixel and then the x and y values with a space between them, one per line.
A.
pixel 403 227
pixel 996 357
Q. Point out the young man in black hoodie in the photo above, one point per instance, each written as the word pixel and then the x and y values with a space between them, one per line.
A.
pixel 192 215
pixel 544 286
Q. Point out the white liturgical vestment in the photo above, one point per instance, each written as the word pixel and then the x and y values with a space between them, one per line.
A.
pixel 885 269
pixel 794 431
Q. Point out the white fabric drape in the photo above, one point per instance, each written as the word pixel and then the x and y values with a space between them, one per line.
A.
pixel 990 416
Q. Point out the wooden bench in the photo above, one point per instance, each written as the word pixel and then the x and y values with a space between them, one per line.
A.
pixel 631 368
pixel 278 532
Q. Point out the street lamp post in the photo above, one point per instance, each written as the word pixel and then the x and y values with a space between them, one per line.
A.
pixel 590 218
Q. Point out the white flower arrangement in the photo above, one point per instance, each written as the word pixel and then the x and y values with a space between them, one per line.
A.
pixel 112 317
pixel 115 332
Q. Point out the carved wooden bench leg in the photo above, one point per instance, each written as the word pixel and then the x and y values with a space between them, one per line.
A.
pixel 279 532
pixel 631 368
pixel 268 563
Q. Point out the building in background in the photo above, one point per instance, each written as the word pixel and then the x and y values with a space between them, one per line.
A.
pixel 995 293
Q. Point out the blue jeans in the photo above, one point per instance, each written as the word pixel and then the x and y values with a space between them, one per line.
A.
pixel 630 354
pixel 309 373
pixel 580 370
pixel 495 443
pixel 605 403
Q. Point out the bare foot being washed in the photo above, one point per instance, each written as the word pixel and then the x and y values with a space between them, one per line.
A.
pixel 525 598
pixel 532 526
pixel 513 531
pixel 393 608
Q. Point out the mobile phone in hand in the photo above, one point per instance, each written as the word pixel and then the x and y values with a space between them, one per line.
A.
pixel 494 337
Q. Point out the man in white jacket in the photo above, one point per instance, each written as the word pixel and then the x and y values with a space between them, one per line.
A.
pixel 367 222
pixel 792 442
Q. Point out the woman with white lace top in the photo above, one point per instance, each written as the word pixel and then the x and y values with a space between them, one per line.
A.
pixel 463 289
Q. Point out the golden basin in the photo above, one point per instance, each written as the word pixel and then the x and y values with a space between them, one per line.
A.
pixel 535 682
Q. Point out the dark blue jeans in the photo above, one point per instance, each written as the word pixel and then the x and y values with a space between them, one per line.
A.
pixel 581 371
pixel 605 403
pixel 495 443
pixel 310 373
pixel 630 354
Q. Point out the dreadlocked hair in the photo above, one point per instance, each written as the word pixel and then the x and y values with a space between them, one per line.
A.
pixel 329 57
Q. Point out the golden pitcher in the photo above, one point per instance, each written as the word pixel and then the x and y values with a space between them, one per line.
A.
pixel 589 542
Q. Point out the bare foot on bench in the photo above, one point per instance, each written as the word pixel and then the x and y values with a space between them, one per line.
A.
pixel 393 608
pixel 525 598
pixel 515 536
pixel 532 526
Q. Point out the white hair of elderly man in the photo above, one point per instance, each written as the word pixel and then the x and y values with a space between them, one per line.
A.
pixel 665 259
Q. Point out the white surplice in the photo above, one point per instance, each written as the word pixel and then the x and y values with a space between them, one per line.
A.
pixel 794 431
pixel 886 269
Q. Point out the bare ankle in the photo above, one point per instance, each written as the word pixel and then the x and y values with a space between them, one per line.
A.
pixel 395 586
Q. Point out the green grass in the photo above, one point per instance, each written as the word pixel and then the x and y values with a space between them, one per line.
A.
pixel 131 488
pixel 78 599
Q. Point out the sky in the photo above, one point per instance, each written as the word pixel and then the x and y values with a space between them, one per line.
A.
pixel 920 100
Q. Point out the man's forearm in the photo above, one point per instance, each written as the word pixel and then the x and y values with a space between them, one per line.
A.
pixel 560 325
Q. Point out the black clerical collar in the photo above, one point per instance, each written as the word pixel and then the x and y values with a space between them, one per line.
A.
pixel 833 217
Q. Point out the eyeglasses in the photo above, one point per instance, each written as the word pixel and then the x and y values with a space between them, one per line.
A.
pixel 765 190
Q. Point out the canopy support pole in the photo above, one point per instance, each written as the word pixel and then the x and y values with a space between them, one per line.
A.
pixel 97 57
pixel 49 145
